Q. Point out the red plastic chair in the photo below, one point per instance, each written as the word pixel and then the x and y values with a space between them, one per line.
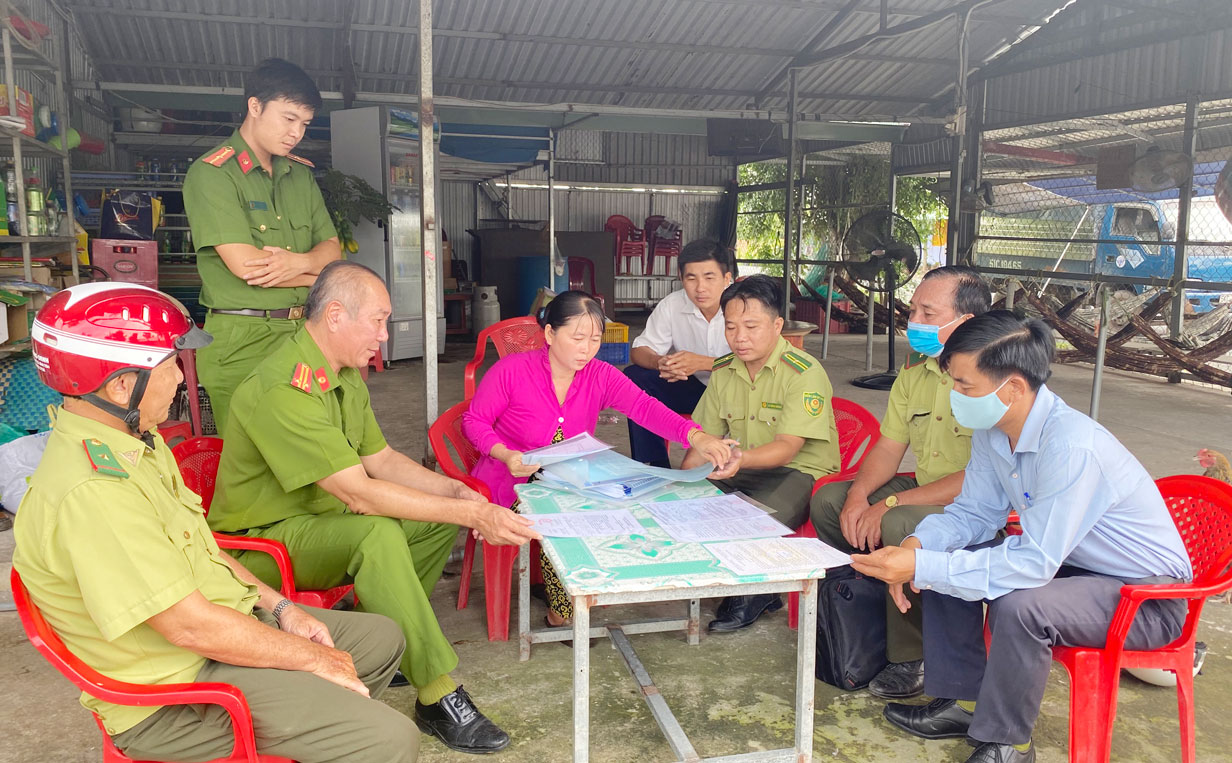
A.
pixel 1202 510
pixel 97 685
pixel 666 247
pixel 198 461
pixel 858 432
pixel 508 336
pixel 582 278
pixel 630 244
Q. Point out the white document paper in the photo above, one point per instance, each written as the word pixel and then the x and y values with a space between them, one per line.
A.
pixel 586 524
pixel 703 509
pixel 763 526
pixel 578 445
pixel 777 555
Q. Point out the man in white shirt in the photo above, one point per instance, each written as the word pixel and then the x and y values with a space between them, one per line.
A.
pixel 683 336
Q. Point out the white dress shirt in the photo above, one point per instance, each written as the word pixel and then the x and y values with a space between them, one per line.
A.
pixel 677 325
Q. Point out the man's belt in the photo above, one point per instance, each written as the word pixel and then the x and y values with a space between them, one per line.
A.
pixel 294 313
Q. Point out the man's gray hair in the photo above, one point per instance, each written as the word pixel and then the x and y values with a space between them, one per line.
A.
pixel 340 281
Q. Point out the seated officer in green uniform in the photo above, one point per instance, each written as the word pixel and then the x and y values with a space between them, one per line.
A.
pixel 305 463
pixel 775 401
pixel 260 227
pixel 881 508
pixel 115 551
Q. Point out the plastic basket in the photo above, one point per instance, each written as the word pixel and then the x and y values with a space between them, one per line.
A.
pixel 615 333
pixel 616 353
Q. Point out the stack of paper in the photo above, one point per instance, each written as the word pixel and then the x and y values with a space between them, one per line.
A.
pixel 578 445
pixel 586 524
pixel 602 473
pixel 777 555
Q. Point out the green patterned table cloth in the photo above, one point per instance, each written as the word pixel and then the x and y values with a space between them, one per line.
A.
pixel 651 560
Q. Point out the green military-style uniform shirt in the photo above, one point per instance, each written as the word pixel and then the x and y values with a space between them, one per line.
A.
pixel 231 199
pixel 919 415
pixel 296 421
pixel 107 537
pixel 791 395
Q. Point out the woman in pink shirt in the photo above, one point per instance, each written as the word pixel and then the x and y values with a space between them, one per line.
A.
pixel 531 399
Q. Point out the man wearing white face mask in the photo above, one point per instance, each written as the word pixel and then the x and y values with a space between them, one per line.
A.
pixel 879 506
pixel 1092 520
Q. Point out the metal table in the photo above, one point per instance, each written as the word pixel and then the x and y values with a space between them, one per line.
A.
pixel 646 568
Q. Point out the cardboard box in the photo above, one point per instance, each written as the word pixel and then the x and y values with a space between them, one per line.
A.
pixel 17 317
pixel 451 284
pixel 40 272
pixel 25 107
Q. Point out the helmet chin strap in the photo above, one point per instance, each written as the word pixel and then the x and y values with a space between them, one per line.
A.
pixel 132 414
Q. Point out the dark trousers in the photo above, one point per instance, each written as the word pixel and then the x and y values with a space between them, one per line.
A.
pixel 1073 609
pixel 681 396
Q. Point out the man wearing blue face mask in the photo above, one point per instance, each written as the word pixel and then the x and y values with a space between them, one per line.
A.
pixel 1092 521
pixel 879 506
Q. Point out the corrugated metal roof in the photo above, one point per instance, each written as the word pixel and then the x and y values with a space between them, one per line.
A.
pixel 685 54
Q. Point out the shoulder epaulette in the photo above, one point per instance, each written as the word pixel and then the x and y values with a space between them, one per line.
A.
pixel 219 157
pixel 102 459
pixel 301 378
pixel 301 160
pixel 914 359
pixel 723 361
pixel 797 363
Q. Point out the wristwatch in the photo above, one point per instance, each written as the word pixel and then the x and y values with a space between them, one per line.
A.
pixel 280 608
pixel 891 501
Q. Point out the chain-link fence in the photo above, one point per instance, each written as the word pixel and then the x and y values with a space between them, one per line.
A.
pixel 1128 203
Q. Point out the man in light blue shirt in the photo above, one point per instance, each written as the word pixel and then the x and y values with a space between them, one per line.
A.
pixel 1092 521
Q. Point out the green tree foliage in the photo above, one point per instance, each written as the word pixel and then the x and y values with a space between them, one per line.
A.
pixel 861 181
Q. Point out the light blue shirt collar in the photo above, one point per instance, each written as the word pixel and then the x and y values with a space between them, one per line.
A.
pixel 1032 428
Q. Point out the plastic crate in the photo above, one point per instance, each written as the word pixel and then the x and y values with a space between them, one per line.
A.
pixel 616 353
pixel 615 333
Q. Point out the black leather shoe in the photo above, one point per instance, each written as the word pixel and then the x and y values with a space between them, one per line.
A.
pixel 991 752
pixel 399 680
pixel 738 612
pixel 899 680
pixel 459 725
pixel 939 719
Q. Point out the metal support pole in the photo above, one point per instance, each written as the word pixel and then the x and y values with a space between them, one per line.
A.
pixel 1010 290
pixel 581 679
pixel 789 202
pixel 868 335
pixel 1180 266
pixel 825 331
pixel 552 269
pixel 427 224
pixel 1100 349
pixel 891 281
pixel 18 164
pixel 953 239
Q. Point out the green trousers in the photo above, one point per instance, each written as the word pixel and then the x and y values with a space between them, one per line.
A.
pixel 782 488
pixel 394 564
pixel 904 634
pixel 294 714
pixel 240 343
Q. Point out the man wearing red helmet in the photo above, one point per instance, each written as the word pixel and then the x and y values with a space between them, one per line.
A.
pixel 116 553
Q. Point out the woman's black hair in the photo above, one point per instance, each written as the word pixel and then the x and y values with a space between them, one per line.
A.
pixel 1004 344
pixel 568 305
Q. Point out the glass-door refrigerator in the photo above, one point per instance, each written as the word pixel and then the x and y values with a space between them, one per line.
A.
pixel 381 145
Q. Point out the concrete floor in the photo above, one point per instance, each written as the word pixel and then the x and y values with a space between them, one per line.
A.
pixel 734 693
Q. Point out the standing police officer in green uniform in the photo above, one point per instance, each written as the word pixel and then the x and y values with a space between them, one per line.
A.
pixel 775 401
pixel 305 463
pixel 880 508
pixel 260 227
pixel 115 551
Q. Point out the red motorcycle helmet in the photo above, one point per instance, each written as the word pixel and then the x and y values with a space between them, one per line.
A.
pixel 87 334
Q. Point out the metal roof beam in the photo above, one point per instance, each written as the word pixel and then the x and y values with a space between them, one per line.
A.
pixel 825 33
pixel 219 18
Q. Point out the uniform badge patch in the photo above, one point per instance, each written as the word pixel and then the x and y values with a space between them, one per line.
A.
pixel 772 406
pixel 301 378
pixel 723 361
pixel 245 162
pixel 102 459
pixel 219 157
pixel 813 403
pixel 258 205
pixel 322 378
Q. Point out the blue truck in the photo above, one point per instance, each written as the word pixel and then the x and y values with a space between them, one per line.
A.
pixel 1135 235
